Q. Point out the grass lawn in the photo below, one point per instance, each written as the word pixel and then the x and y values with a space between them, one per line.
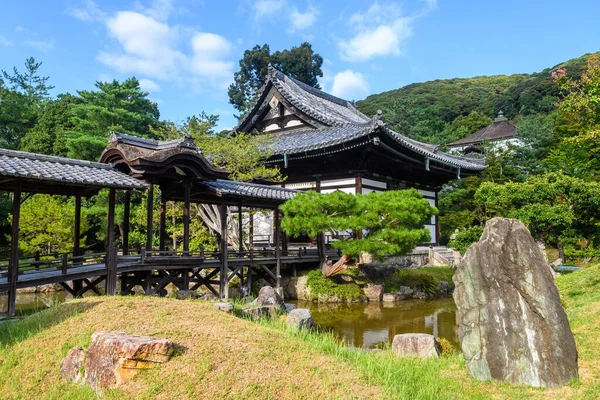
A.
pixel 223 356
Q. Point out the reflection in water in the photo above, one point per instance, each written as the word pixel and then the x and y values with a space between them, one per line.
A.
pixel 30 302
pixel 372 324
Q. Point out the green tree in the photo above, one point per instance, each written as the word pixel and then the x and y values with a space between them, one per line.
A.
pixel 537 141
pixel 114 106
pixel 300 62
pixel 387 223
pixel 557 208
pixel 49 135
pixel 47 225
pixel 21 96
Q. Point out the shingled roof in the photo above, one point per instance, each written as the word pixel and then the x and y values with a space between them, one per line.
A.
pixel 49 169
pixel 323 107
pixel 224 187
pixel 500 129
pixel 341 123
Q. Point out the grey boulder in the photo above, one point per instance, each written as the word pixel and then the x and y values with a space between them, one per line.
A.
pixel 513 327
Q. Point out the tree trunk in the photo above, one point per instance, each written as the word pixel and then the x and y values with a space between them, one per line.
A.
pixel 209 213
pixel 337 267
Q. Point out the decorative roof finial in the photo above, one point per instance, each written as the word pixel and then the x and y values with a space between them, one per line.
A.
pixel 500 116
pixel 377 119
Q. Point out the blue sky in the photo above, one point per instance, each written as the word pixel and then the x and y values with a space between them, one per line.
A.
pixel 185 51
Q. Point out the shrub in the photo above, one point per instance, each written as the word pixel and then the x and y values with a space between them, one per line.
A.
pixel 425 278
pixel 321 286
pixel 465 238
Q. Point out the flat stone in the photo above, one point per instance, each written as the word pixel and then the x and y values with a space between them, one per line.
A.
pixel 114 357
pixel 374 291
pixel 257 312
pixel 415 345
pixel 391 297
pixel 300 318
pixel 223 306
pixel 513 327
pixel 71 367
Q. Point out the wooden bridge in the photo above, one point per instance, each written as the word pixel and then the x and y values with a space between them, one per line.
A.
pixel 178 169
pixel 154 270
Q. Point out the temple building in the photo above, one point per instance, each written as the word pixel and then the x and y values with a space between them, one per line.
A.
pixel 325 143
pixel 499 133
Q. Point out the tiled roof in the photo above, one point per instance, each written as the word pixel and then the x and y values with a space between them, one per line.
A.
pixel 497 130
pixel 63 170
pixel 308 140
pixel 252 190
pixel 118 137
pixel 323 107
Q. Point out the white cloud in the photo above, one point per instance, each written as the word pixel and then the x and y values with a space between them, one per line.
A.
pixel 349 85
pixel 5 42
pixel 267 8
pixel 42 45
pixel 380 31
pixel 88 12
pixel 159 9
pixel 151 49
pixel 149 85
pixel 303 20
pixel 147 46
pixel 209 60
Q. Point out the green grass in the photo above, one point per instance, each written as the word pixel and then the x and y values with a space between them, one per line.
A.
pixel 224 356
pixel 426 278
pixel 326 287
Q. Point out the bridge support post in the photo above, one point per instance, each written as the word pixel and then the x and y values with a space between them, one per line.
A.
pixel 13 266
pixel 111 253
pixel 77 227
pixel 126 215
pixel 162 235
pixel 149 216
pixel 278 251
pixel 224 272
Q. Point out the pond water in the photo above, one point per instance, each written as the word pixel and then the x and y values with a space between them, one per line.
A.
pixel 367 325
pixel 371 325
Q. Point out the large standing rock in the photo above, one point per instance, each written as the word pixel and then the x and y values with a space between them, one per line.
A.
pixel 71 367
pixel 374 291
pixel 512 325
pixel 267 296
pixel 415 345
pixel 114 357
pixel 300 318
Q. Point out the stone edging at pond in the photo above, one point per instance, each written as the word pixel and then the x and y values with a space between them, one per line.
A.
pixel 298 288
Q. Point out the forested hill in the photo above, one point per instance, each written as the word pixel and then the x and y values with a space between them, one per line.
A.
pixel 444 110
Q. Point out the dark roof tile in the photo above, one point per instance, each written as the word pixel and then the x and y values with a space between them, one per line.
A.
pixel 64 170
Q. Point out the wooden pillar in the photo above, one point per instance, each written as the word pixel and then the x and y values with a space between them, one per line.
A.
pixel 126 218
pixel 111 253
pixel 163 223
pixel 13 266
pixel 437 221
pixel 277 248
pixel 240 228
pixel 149 217
pixel 77 227
pixel 224 289
pixel 251 229
pixel 186 218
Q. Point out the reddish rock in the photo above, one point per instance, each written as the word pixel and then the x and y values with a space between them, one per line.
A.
pixel 115 357
pixel 71 366
pixel 374 291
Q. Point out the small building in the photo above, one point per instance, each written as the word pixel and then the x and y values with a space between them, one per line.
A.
pixel 325 143
pixel 499 133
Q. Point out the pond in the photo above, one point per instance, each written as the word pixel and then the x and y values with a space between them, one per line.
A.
pixel 28 303
pixel 371 325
